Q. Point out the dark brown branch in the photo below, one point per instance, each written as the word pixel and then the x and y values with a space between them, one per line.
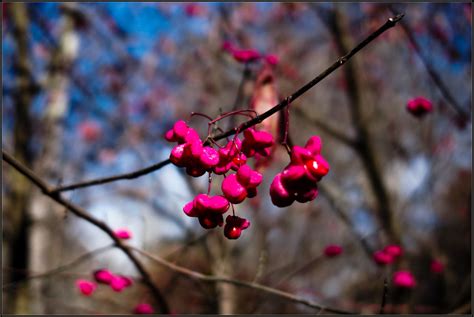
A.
pixel 391 22
pixel 216 279
pixel 336 203
pixel 384 296
pixel 431 72
pixel 331 131
pixel 61 268
pixel 81 213
pixel 105 180
pixel 364 146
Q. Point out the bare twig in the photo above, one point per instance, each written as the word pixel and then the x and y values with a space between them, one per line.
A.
pixel 336 203
pixel 364 145
pixel 384 295
pixel 216 279
pixel 464 309
pixel 61 268
pixel 81 213
pixel 391 22
pixel 431 72
pixel 331 131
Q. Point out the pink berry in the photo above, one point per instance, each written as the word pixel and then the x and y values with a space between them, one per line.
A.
pixel 233 190
pixel 383 258
pixel 279 194
pixel 227 46
pixel 118 283
pixel 123 234
pixel 103 276
pixel 256 142
pixel 272 59
pixel 248 177
pixel 234 226
pixel 394 250
pixel 317 167
pixel 215 204
pixel 332 250
pixel 86 287
pixel 143 308
pixel 208 210
pixel 404 279
pixel 245 56
pixel 436 266
pixel 419 106
pixel 210 220
pixel 298 180
pixel 314 144
pixel 89 130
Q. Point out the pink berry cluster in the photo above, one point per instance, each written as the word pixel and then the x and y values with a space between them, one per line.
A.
pixel 198 159
pixel 387 255
pixel 298 181
pixel 190 151
pixel 248 55
pixel 103 276
pixel 116 282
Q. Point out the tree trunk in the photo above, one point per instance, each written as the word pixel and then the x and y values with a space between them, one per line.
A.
pixel 46 230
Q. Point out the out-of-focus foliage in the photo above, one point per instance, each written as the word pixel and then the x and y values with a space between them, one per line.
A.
pixel 140 67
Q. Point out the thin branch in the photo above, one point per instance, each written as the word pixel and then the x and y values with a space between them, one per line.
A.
pixel 331 131
pixel 335 201
pixel 431 72
pixel 61 268
pixel 105 180
pixel 81 213
pixel 216 279
pixel 384 295
pixel 391 22
pixel 464 309
pixel 335 22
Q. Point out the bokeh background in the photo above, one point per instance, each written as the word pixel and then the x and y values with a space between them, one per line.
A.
pixel 89 89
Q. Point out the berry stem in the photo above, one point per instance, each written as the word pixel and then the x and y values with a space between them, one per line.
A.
pixel 209 185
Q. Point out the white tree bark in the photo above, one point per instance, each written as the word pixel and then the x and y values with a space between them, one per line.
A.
pixel 46 230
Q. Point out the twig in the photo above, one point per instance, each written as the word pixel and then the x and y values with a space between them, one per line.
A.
pixel 105 180
pixel 431 72
pixel 364 146
pixel 384 295
pixel 62 267
pixel 335 202
pixel 464 309
pixel 81 213
pixel 216 279
pixel 327 128
pixel 391 22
